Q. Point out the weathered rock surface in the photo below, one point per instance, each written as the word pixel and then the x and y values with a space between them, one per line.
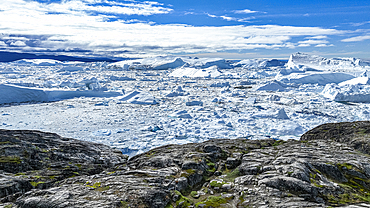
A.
pixel 330 166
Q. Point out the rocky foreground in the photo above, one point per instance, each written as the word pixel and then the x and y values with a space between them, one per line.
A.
pixel 329 166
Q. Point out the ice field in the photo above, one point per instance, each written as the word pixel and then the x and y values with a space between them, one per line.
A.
pixel 136 105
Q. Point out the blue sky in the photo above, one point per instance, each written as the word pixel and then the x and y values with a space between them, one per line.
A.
pixel 229 29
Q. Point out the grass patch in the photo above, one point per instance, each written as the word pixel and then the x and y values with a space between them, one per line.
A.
pixel 230 177
pixel 105 188
pixel 278 142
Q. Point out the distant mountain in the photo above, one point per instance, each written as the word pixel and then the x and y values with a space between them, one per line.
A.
pixel 13 56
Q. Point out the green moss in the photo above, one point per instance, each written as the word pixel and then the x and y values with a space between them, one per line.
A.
pixel 211 166
pixel 348 166
pixel 6 142
pixel 188 172
pixel 79 166
pixel 124 204
pixel 52 177
pixel 184 201
pixel 346 198
pixel 8 206
pixel 10 159
pixel 212 201
pixel 216 184
pixel 96 185
pixel 193 194
pixel 18 174
pixel 34 184
pixel 169 205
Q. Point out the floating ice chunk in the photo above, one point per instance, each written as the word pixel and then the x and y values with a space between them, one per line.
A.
pixel 115 78
pixel 175 94
pixel 225 84
pixel 286 128
pixel 179 89
pixel 71 69
pixel 208 62
pixel 18 94
pixel 142 98
pixel 274 98
pixel 297 60
pixel 260 75
pixel 178 92
pixel 156 63
pixel 259 63
pixel 39 62
pixel 211 72
pixel 181 114
pixel 272 86
pixel 165 64
pixel 281 114
pixel 102 132
pixel 316 78
pixel 347 93
pixel 104 103
pixel 194 103
pixel 251 100
pixel 357 80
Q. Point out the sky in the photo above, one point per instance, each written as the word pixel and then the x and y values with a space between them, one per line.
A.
pixel 238 29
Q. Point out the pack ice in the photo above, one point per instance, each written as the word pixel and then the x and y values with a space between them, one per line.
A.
pixel 136 105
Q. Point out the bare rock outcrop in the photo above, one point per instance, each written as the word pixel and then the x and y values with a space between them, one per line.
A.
pixel 326 168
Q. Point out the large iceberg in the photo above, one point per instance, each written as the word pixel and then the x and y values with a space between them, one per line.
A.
pixel 347 93
pixel 211 72
pixel 156 63
pixel 316 78
pixel 18 94
pixel 300 60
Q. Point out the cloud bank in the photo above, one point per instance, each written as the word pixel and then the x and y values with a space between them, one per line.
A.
pixel 94 25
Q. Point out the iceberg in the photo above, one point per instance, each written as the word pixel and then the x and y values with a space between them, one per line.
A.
pixel 299 60
pixel 18 94
pixel 347 93
pixel 142 98
pixel 211 72
pixel 316 78
pixel 272 86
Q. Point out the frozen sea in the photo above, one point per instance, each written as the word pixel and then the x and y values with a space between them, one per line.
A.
pixel 137 105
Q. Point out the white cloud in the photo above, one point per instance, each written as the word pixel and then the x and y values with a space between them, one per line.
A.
pixel 360 23
pixel 323 45
pixel 245 11
pixel 18 43
pixel 68 27
pixel 228 18
pixel 2 43
pixel 232 18
pixel 304 45
pixel 313 42
pixel 357 38
pixel 318 37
